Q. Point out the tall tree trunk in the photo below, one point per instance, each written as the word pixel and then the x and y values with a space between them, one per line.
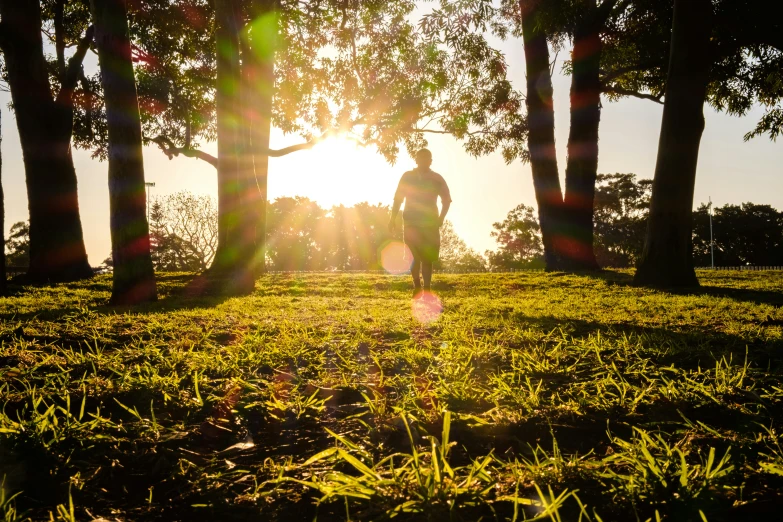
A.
pixel 264 35
pixel 582 166
pixel 57 250
pixel 2 218
pixel 667 260
pixel 228 134
pixel 541 132
pixel 243 270
pixel 134 277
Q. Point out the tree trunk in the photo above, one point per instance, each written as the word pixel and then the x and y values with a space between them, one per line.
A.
pixel 2 219
pixel 228 134
pixel 57 250
pixel 134 277
pixel 541 132
pixel 582 167
pixel 667 260
pixel 243 270
pixel 261 63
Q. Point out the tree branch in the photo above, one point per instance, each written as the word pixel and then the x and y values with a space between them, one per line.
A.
pixel 3 33
pixel 170 150
pixel 604 10
pixel 436 131
pixel 59 39
pixel 73 72
pixel 279 153
pixel 613 75
pixel 612 89
pixel 88 99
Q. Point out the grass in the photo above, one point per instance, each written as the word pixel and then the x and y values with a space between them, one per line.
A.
pixel 532 397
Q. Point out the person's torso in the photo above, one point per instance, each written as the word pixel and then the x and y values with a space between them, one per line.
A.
pixel 421 197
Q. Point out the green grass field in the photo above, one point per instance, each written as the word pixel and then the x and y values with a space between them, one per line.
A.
pixel 533 396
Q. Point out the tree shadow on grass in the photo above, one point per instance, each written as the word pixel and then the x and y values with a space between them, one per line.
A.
pixel 575 434
pixel 769 297
pixel 175 291
pixel 747 295
pixel 683 344
pixel 694 349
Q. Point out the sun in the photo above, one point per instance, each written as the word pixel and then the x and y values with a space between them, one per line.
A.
pixel 336 171
pixel 336 147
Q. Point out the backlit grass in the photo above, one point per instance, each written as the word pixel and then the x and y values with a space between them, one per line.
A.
pixel 533 396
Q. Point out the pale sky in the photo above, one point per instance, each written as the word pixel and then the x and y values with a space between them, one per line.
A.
pixel 484 190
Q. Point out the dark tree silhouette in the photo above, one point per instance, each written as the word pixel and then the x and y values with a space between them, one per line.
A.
pixel 228 136
pixel 584 22
pixel 566 216
pixel 258 80
pixel 582 163
pixel 746 234
pixel 519 241
pixel 45 123
pixel 667 259
pixel 2 218
pixel 17 245
pixel 541 131
pixel 621 206
pixel 133 275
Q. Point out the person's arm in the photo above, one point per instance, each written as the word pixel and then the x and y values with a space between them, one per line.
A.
pixel 445 201
pixel 445 204
pixel 399 197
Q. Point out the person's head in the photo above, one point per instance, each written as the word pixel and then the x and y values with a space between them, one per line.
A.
pixel 424 158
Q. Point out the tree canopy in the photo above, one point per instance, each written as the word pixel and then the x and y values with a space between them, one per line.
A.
pixel 358 68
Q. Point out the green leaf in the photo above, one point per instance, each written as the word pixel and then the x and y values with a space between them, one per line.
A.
pixel 320 456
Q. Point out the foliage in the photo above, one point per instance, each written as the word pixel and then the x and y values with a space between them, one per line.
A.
pixel 456 255
pixel 746 49
pixel 353 236
pixel 621 207
pixel 293 240
pixel 534 394
pixel 303 236
pixel 519 241
pixel 747 234
pixel 361 68
pixel 183 232
pixel 17 245
pixel 749 53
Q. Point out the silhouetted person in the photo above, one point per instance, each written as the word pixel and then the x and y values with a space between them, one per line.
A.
pixel 420 188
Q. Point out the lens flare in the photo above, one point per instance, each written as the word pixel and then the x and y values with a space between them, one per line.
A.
pixel 427 308
pixel 396 257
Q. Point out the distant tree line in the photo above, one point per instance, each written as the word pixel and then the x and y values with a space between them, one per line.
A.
pixel 302 236
pixel 746 234
pixel 305 236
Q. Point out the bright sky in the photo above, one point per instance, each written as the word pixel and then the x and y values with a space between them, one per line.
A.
pixel 483 189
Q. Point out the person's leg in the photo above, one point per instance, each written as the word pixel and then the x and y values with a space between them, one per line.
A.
pixel 415 268
pixel 431 238
pixel 426 272
pixel 412 239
